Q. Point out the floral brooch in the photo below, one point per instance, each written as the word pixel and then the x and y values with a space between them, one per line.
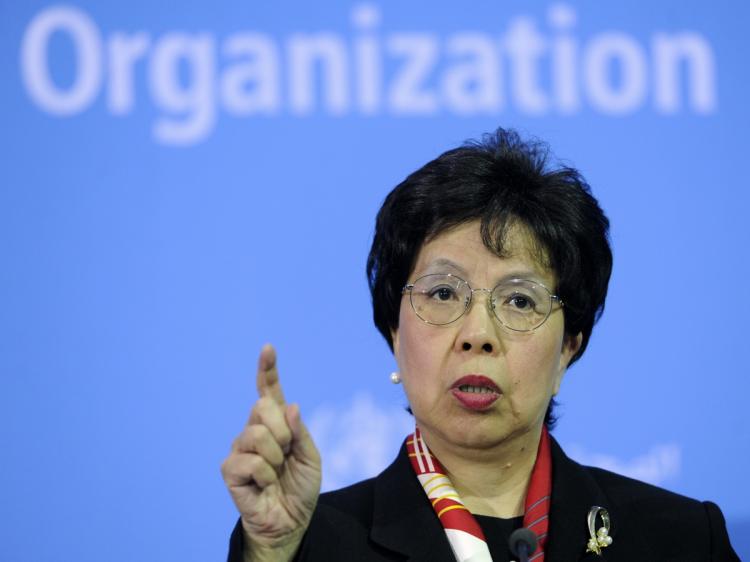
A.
pixel 599 537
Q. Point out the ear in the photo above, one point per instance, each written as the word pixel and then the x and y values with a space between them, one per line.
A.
pixel 394 339
pixel 570 346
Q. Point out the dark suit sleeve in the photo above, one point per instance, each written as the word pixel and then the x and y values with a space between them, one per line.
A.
pixel 721 548
pixel 236 543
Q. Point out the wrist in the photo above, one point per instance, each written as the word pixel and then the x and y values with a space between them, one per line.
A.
pixel 271 550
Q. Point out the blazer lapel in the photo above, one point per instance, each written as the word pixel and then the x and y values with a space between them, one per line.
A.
pixel 403 520
pixel 574 493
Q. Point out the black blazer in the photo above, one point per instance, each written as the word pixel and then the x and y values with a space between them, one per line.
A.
pixel 389 518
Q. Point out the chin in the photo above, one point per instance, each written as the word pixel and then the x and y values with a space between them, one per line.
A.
pixel 475 434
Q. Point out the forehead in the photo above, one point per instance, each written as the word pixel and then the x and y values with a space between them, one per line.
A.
pixel 462 250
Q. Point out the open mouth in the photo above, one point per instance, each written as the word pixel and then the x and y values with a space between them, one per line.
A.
pixel 476 389
pixel 476 392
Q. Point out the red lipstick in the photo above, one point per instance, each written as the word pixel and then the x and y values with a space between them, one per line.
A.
pixel 476 392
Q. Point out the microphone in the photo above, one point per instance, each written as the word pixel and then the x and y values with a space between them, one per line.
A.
pixel 522 543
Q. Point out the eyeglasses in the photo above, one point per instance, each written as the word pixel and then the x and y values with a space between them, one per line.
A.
pixel 519 304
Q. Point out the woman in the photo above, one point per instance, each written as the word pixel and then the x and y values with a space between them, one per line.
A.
pixel 488 270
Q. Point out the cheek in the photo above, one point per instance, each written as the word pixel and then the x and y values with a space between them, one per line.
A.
pixel 421 351
pixel 533 369
pixel 414 357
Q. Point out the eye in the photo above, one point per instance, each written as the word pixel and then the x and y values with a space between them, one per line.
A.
pixel 442 293
pixel 521 302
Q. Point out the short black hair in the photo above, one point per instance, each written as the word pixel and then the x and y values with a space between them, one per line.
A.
pixel 503 182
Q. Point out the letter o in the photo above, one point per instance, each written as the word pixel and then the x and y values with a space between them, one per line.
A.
pixel 34 62
pixel 599 52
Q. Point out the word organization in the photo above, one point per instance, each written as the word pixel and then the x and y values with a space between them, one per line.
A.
pixel 532 67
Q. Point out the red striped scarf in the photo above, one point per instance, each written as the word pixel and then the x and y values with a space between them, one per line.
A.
pixel 464 533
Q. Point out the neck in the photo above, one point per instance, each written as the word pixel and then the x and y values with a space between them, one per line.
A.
pixel 490 481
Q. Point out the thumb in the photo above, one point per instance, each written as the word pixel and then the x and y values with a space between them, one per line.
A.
pixel 303 446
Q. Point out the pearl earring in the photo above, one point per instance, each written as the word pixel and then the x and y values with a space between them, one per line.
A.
pixel 395 377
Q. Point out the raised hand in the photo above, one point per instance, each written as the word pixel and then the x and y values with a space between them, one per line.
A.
pixel 273 470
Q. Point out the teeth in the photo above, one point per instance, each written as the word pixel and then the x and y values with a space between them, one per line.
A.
pixel 477 389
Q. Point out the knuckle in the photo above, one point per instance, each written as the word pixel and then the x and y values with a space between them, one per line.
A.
pixel 254 464
pixel 229 468
pixel 285 436
pixel 257 432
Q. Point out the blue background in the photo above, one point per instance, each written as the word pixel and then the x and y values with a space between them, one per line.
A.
pixel 141 276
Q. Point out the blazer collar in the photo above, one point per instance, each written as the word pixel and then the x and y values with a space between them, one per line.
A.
pixel 404 521
pixel 574 493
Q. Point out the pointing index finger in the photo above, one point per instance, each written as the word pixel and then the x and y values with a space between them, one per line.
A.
pixel 267 380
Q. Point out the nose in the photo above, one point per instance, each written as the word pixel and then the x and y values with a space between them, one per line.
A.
pixel 479 328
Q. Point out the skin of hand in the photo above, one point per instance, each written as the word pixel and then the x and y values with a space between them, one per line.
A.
pixel 273 471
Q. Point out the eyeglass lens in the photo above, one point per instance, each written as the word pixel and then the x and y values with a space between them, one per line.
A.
pixel 519 304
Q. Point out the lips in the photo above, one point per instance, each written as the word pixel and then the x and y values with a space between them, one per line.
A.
pixel 475 392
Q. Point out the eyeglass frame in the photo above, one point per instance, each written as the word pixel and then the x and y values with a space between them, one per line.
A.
pixel 553 298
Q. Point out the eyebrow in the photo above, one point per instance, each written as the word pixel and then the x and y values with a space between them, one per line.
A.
pixel 528 274
pixel 445 262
